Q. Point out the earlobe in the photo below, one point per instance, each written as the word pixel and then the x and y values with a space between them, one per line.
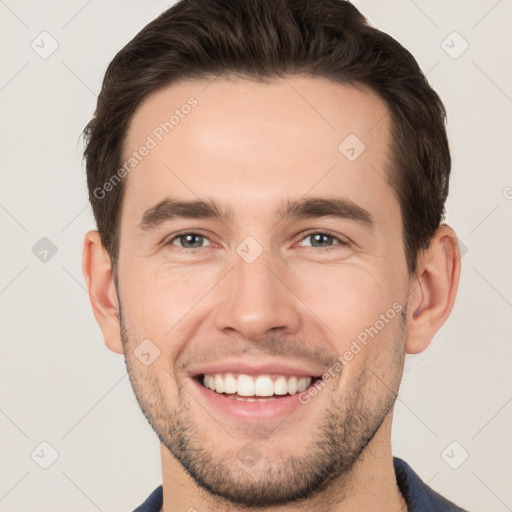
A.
pixel 433 290
pixel 102 293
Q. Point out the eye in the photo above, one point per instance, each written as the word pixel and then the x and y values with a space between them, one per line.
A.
pixel 193 240
pixel 188 240
pixel 323 239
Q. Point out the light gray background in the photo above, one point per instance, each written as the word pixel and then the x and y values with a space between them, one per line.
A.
pixel 60 384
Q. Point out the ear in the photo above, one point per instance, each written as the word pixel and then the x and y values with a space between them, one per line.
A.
pixel 102 293
pixel 433 289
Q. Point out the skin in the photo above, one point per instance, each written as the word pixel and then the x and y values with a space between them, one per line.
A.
pixel 248 146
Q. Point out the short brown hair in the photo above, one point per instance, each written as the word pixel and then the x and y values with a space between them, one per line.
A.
pixel 265 39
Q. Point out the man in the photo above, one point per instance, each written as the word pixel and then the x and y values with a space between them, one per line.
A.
pixel 268 179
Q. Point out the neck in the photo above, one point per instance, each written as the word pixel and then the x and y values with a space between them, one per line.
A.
pixel 369 485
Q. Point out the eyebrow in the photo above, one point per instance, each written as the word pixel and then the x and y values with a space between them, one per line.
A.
pixel 312 207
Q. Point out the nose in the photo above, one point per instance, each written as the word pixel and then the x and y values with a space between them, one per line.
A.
pixel 257 299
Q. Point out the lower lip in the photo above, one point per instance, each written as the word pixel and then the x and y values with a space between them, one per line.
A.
pixel 265 410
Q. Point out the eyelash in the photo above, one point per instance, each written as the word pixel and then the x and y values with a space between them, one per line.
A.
pixel 304 236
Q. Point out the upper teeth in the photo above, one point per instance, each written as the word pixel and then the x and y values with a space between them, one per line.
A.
pixel 263 385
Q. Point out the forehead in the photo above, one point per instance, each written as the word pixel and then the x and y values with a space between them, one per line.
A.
pixel 250 143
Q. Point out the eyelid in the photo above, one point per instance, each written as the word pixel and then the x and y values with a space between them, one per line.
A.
pixel 303 234
pixel 170 238
pixel 342 241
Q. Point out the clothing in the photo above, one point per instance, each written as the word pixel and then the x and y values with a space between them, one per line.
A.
pixel 418 495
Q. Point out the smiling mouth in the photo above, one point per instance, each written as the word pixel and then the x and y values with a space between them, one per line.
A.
pixel 249 388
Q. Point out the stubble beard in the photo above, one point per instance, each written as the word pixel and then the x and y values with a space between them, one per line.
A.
pixel 329 453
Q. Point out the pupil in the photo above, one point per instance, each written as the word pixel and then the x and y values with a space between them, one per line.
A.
pixel 318 237
pixel 190 238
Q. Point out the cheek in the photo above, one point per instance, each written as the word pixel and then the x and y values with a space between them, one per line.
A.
pixel 361 305
pixel 348 297
pixel 159 300
pixel 164 303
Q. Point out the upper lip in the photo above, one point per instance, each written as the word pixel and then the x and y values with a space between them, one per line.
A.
pixel 257 368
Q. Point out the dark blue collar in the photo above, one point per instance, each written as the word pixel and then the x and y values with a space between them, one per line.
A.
pixel 418 495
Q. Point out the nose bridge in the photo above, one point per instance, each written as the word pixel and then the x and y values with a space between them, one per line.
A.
pixel 255 299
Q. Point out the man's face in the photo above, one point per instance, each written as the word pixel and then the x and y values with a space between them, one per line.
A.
pixel 259 293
